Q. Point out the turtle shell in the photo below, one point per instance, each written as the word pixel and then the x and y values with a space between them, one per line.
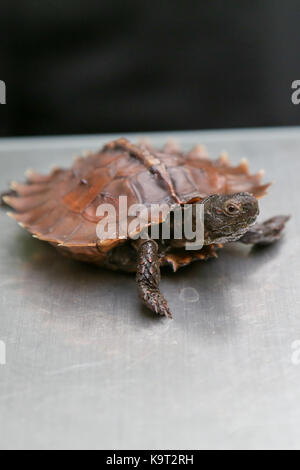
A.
pixel 61 208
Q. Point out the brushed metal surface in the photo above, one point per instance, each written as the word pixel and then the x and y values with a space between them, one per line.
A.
pixel 88 367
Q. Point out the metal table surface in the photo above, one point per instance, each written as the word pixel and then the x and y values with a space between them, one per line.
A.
pixel 88 367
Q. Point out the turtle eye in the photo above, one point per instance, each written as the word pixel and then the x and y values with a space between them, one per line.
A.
pixel 232 209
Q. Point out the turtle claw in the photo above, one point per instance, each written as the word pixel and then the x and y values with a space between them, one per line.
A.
pixel 4 195
pixel 159 305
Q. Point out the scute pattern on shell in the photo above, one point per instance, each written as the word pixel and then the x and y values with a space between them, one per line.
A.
pixel 61 208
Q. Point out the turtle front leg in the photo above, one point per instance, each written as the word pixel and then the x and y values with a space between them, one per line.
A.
pixel 267 232
pixel 148 277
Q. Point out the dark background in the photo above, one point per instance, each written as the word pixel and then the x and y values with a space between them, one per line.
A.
pixel 134 65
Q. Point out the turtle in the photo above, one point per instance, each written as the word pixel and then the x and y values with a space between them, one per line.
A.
pixel 62 208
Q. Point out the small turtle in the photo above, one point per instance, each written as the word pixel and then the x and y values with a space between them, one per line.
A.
pixel 62 208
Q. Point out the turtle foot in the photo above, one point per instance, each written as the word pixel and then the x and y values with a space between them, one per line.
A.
pixel 157 303
pixel 267 232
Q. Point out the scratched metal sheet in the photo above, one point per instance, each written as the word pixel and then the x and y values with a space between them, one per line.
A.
pixel 88 367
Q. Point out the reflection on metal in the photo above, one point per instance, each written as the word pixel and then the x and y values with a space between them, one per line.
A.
pixel 189 295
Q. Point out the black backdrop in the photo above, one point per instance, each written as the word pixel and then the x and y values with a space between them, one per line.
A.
pixel 139 65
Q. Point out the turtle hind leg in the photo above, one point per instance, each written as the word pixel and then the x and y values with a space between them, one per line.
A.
pixel 267 232
pixel 148 278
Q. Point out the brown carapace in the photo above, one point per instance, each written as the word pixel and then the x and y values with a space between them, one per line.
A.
pixel 61 208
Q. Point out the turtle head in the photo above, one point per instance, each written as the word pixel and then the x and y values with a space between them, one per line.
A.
pixel 228 217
